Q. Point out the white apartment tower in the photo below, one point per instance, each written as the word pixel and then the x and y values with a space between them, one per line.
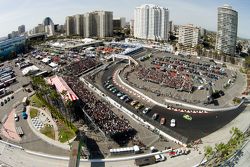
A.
pixel 227 30
pixel 188 35
pixel 70 24
pixel 79 24
pixel 151 22
pixel 105 28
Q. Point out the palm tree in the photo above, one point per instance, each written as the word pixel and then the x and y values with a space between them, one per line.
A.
pixel 208 151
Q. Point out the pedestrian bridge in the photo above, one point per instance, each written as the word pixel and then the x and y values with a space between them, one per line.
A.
pixel 120 56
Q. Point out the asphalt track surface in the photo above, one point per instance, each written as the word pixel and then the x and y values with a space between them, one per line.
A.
pixel 186 131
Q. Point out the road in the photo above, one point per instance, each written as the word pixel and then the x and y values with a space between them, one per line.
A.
pixel 200 126
pixel 16 157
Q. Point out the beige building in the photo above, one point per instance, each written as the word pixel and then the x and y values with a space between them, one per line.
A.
pixel 70 24
pixel 93 24
pixel 189 36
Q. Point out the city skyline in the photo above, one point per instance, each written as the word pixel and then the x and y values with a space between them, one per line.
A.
pixel 181 12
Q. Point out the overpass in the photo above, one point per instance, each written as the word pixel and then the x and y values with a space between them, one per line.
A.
pixel 126 57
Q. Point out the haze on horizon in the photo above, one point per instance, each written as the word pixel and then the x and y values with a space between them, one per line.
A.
pixel 200 13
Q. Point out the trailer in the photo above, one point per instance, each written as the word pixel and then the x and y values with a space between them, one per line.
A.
pixel 145 161
pixel 7 74
pixel 10 81
pixel 5 78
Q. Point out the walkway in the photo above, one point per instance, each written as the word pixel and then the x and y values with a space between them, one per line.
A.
pixel 45 118
pixel 9 128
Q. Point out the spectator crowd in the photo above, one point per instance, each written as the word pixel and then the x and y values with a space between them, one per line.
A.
pixel 100 113
pixel 170 79
pixel 80 66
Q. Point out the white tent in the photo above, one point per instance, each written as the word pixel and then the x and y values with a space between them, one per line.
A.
pixel 53 65
pixel 46 60
pixel 30 70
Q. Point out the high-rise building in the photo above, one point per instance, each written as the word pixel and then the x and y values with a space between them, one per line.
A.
pixel 70 24
pixel 93 24
pixel 79 24
pixel 117 24
pixel 131 26
pixel 21 29
pixel 171 26
pixel 151 22
pixel 203 32
pixel 106 24
pixel 188 35
pixel 49 26
pixel 227 30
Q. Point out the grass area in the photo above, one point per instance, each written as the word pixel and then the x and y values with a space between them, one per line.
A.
pixel 33 112
pixel 65 133
pixel 66 129
pixel 35 101
pixel 243 70
pixel 48 131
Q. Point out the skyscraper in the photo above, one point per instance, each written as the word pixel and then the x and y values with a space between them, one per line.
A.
pixel 70 24
pixel 49 26
pixel 151 22
pixel 227 30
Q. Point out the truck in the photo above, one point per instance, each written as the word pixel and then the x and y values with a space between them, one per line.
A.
pixel 150 160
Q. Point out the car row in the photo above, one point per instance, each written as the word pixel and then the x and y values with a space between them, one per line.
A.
pixel 163 120
pixel 134 103
pixel 6 100
pixel 108 85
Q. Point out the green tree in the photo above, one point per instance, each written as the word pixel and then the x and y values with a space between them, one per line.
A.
pixel 208 151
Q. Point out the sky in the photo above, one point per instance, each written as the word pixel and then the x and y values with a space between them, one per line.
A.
pixel 198 12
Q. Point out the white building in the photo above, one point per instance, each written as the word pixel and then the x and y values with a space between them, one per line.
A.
pixel 131 25
pixel 227 30
pixel 70 24
pixel 151 22
pixel 188 35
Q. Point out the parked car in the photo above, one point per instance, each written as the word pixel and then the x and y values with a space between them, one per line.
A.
pixel 114 91
pixel 109 86
pixel 146 110
pixel 2 103
pixel 5 101
pixel 8 98
pixel 163 120
pixel 16 117
pixel 133 103
pixel 155 116
pixel 139 106
pixel 24 115
pixel 160 158
pixel 127 100
pixel 124 97
pixel 119 94
pixel 172 123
